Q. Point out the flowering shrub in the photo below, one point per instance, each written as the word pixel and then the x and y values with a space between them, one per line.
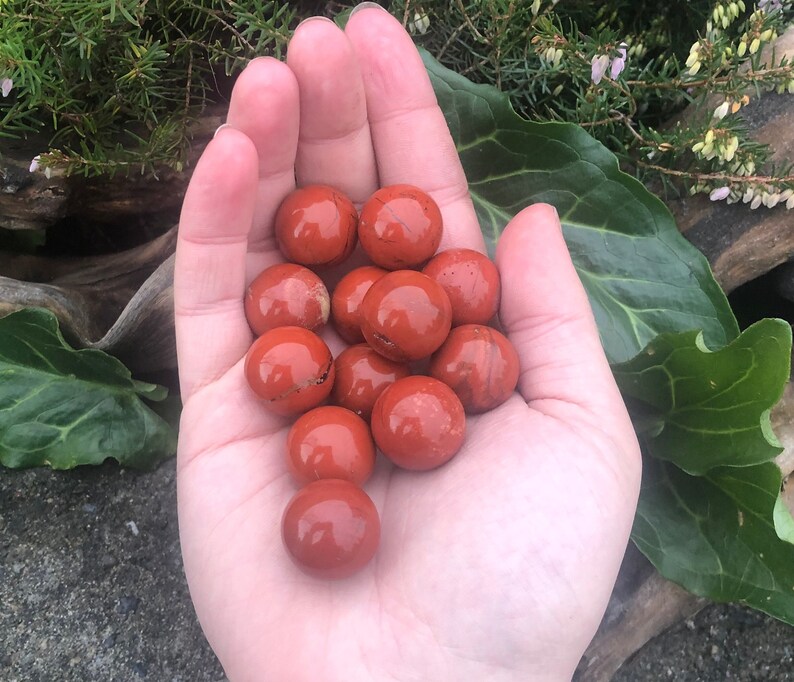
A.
pixel 118 84
pixel 623 69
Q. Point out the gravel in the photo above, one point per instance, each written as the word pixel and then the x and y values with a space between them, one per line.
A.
pixel 91 581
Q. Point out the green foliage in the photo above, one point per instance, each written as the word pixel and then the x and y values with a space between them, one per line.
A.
pixel 117 83
pixel 541 54
pixel 715 534
pixel 62 407
pixel 719 413
pixel 642 276
pixel 722 533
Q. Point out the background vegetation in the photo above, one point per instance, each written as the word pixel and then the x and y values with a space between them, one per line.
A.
pixel 116 84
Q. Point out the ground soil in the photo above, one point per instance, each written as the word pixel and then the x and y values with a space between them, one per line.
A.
pixel 92 589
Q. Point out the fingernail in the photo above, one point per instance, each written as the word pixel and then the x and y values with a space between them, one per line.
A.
pixel 366 5
pixel 219 128
pixel 315 18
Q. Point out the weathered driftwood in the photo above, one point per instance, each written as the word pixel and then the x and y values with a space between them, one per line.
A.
pixel 33 201
pixel 121 303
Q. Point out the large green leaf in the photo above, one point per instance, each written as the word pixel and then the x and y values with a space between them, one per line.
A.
pixel 700 395
pixel 643 278
pixel 712 407
pixel 62 407
pixel 715 534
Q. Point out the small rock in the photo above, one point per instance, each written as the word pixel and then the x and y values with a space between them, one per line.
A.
pixel 107 561
pixel 139 669
pixel 133 528
pixel 89 508
pixel 110 641
pixel 127 604
pixel 5 661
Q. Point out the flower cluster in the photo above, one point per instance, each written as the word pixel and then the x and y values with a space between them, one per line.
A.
pixel 35 165
pixel 717 143
pixel 730 106
pixel 724 15
pixel 600 63
pixel 553 56
pixel 756 195
pixel 770 5
pixel 419 23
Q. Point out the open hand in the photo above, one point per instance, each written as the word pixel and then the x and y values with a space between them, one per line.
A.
pixel 496 566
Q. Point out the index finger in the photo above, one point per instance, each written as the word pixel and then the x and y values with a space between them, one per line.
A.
pixel 412 141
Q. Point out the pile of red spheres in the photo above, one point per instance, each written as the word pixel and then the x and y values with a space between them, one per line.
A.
pixel 393 314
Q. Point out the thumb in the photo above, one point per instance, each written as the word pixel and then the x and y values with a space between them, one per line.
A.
pixel 547 316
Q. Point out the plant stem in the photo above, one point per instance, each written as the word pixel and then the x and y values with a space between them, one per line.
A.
pixel 724 177
pixel 679 84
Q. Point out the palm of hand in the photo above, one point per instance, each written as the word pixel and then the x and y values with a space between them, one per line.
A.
pixel 495 566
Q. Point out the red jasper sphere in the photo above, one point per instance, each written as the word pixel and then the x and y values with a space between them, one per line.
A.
pixel 471 281
pixel 286 295
pixel 347 298
pixel 361 376
pixel 479 364
pixel 331 529
pixel 400 227
pixel 418 423
pixel 405 315
pixel 291 369
pixel 316 226
pixel 330 442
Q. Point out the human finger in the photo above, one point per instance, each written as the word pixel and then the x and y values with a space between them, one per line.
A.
pixel 335 147
pixel 409 133
pixel 265 106
pixel 212 333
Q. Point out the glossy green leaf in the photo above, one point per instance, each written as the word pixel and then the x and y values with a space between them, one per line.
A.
pixel 715 534
pixel 713 407
pixel 643 278
pixel 61 407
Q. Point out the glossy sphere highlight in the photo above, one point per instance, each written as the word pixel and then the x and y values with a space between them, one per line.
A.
pixel 347 298
pixel 405 315
pixel 316 225
pixel 286 295
pixel 399 227
pixel 362 374
pixel 418 423
pixel 330 442
pixel 471 281
pixel 291 369
pixel 331 529
pixel 479 364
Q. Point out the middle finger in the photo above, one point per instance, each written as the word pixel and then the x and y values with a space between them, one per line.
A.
pixel 334 147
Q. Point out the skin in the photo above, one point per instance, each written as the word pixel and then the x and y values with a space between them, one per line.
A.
pixel 496 566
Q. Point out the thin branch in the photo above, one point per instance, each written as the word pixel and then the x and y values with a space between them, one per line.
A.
pixel 680 84
pixel 723 177
pixel 473 28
